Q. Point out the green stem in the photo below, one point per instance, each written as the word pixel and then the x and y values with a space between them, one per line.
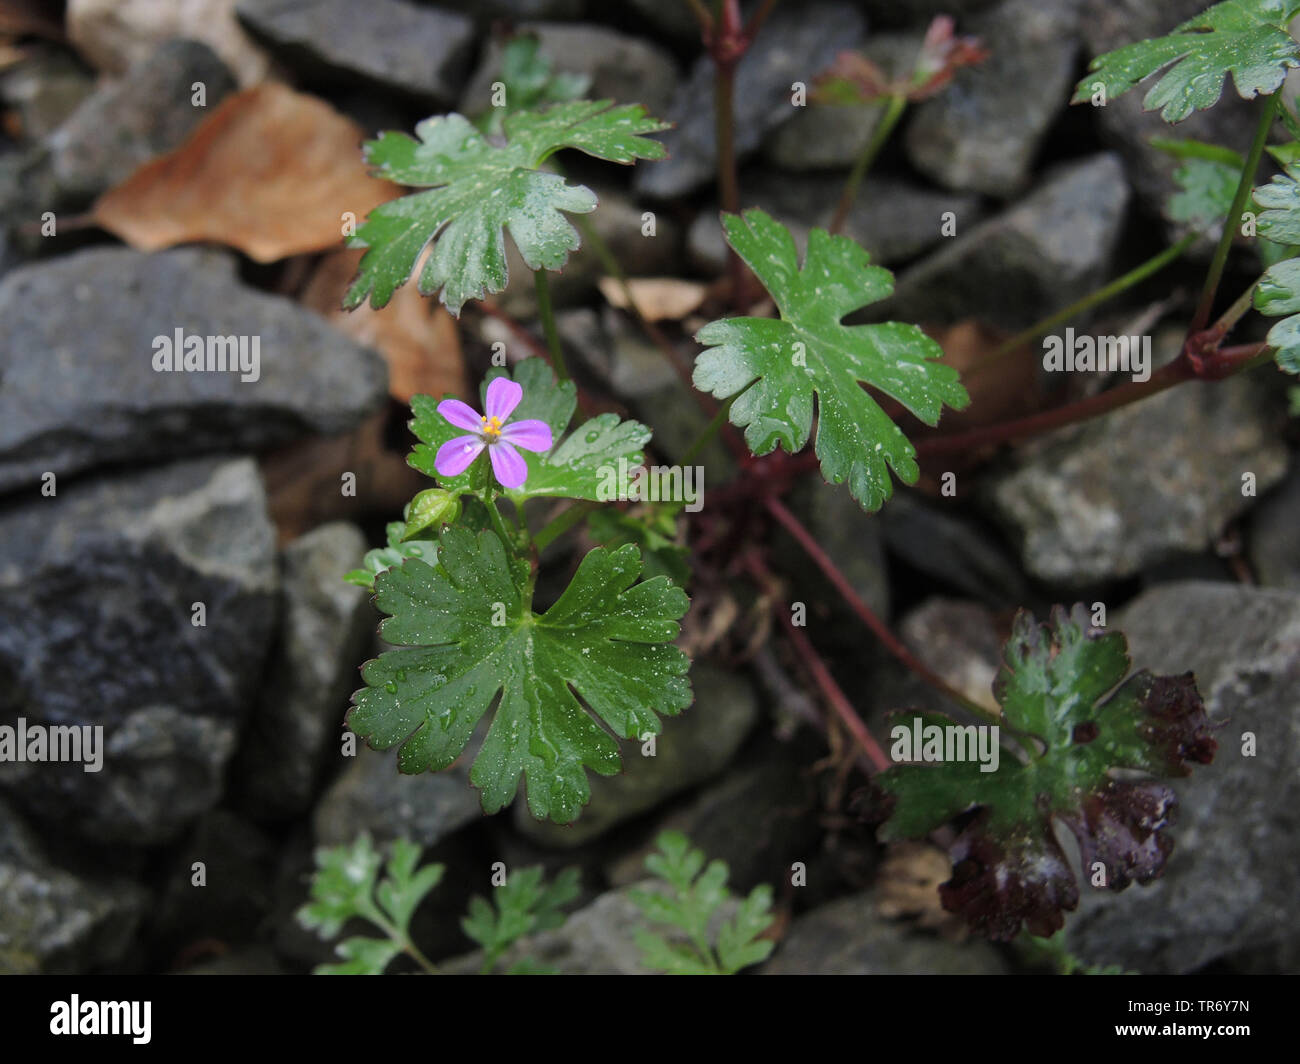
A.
pixel 1101 295
pixel 1230 226
pixel 897 105
pixel 557 526
pixel 499 522
pixel 709 431
pixel 547 313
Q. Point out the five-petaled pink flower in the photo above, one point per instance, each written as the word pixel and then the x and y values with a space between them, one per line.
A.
pixel 503 396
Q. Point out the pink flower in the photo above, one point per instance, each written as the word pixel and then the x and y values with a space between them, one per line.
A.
pixel 503 396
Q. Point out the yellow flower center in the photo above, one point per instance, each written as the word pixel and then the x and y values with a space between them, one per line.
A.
pixel 491 427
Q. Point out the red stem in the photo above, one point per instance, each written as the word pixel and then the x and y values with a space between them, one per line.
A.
pixel 868 617
pixel 821 674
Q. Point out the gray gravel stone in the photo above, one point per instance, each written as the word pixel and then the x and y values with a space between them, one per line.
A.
pixel 1111 497
pixel 326 629
pixel 52 920
pixel 78 384
pixel 1274 537
pixel 847 937
pixel 96 629
pixel 398 46
pixel 128 122
pixel 1019 266
pixel 982 132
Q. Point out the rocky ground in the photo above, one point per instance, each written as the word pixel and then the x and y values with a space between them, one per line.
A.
pixel 177 489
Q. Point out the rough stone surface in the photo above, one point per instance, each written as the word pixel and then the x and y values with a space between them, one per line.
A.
pixel 97 594
pixel 621 67
pixel 1229 886
pixel 516 9
pixel 797 44
pixel 114 35
pixel 1124 491
pixel 324 633
pixel 414 51
pixel 982 132
pixel 1032 259
pixel 52 920
pixel 953 548
pixel 893 219
pixel 128 122
pixel 1274 538
pixel 919 12
pixel 847 937
pixel 45 88
pixel 371 795
pixel 692 748
pixel 80 388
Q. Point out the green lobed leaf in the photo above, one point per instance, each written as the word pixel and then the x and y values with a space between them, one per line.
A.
pixel 777 367
pixel 362 956
pixel 593 462
pixel 654 531
pixel 1064 684
pixel 476 190
pixel 468 632
pixel 1245 38
pixel 1278 294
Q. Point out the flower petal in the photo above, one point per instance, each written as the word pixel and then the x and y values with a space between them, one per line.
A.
pixel 454 456
pixel 462 415
pixel 531 435
pixel 508 465
pixel 503 396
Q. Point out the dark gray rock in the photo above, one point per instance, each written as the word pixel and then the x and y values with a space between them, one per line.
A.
pixel 422 52
pixel 1229 886
pixel 618 352
pixel 324 635
pixel 952 548
pixel 97 594
pixel 893 219
pixel 848 937
pixel 371 795
pixel 79 388
pixel 487 10
pixel 1274 537
pixel 677 22
pixel 128 122
pixel 1110 24
pixel 692 748
pixel 621 68
pixel 982 132
pixel 45 88
pixel 1019 266
pixel 1108 498
pixel 52 920
pixel 960 641
pixel 796 44
pixel 228 897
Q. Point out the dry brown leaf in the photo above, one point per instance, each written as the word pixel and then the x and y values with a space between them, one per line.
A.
pixel 658 298
pixel 417 337
pixel 270 172
pixel 908 886
pixel 1000 388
